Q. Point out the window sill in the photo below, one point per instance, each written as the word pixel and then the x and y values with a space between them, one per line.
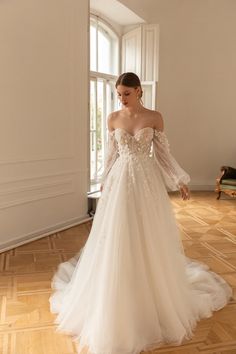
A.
pixel 94 188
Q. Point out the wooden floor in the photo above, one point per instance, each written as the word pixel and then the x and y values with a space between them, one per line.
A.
pixel 208 229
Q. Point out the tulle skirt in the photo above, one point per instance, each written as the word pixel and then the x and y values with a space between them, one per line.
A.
pixel 131 287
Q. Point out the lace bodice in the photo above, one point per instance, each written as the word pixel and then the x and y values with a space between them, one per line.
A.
pixel 128 144
pixel 147 142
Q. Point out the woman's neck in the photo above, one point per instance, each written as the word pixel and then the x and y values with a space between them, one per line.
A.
pixel 133 109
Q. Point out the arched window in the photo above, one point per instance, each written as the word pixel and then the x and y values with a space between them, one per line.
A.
pixel 104 68
pixel 104 48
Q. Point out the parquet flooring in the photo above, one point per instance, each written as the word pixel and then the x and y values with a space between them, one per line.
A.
pixel 208 230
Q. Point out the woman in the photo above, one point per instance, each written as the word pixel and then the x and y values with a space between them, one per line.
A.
pixel 132 288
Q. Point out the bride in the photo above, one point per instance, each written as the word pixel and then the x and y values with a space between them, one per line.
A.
pixel 131 287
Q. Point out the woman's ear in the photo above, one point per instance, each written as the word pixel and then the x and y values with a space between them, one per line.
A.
pixel 138 91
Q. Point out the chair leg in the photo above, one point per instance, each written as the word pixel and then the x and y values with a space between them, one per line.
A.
pixel 219 194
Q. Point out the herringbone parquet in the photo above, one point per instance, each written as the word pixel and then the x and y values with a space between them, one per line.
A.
pixel 208 229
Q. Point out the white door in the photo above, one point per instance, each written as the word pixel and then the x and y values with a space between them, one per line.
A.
pixel 131 51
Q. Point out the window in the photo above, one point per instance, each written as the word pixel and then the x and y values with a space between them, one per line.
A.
pixel 104 68
pixel 139 54
pixel 104 48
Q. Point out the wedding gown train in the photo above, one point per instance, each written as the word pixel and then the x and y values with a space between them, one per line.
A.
pixel 131 287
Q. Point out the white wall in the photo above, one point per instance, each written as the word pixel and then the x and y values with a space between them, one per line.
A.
pixel 197 76
pixel 44 117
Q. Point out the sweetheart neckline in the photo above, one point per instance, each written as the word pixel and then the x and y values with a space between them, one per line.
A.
pixel 134 135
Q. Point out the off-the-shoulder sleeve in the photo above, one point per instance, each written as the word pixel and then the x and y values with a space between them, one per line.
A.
pixel 174 176
pixel 110 155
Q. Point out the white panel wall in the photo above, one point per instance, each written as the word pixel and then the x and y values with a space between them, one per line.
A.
pixel 150 52
pixel 44 117
pixel 131 51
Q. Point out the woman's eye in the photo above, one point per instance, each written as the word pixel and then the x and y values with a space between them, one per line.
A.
pixel 125 94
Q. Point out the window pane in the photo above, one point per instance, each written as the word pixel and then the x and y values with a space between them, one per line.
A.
pixel 148 95
pixel 116 101
pixel 109 97
pixel 104 52
pixel 93 48
pixel 114 56
pixel 93 105
pixel 93 133
pixel 93 153
pixel 112 99
pixel 100 117
pixel 104 48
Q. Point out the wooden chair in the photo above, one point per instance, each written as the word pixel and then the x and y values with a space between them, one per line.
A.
pixel 226 182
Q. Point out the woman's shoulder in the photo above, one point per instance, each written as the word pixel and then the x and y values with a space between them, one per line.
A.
pixel 111 118
pixel 113 115
pixel 156 118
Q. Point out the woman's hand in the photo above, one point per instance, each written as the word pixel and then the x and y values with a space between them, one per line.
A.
pixel 101 188
pixel 184 191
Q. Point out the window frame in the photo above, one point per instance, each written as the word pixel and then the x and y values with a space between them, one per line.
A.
pixel 96 76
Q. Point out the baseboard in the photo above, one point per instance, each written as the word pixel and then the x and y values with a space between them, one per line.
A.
pixel 42 233
pixel 202 187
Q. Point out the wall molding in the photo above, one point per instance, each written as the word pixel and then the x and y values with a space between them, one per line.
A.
pixel 38 159
pixel 35 178
pixel 66 188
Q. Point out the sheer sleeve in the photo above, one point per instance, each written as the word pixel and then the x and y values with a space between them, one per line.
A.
pixel 174 176
pixel 110 155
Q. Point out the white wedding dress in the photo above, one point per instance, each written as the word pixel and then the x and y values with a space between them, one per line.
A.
pixel 131 288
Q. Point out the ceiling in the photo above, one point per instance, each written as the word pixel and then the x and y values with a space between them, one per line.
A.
pixel 116 11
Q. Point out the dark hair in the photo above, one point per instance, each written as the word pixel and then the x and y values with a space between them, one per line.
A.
pixel 130 80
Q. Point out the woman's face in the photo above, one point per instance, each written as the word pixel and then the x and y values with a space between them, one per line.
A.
pixel 128 96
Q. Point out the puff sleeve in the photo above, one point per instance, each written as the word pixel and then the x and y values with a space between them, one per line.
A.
pixel 110 155
pixel 174 176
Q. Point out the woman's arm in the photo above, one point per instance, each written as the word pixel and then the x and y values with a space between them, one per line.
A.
pixel 174 176
pixel 111 151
